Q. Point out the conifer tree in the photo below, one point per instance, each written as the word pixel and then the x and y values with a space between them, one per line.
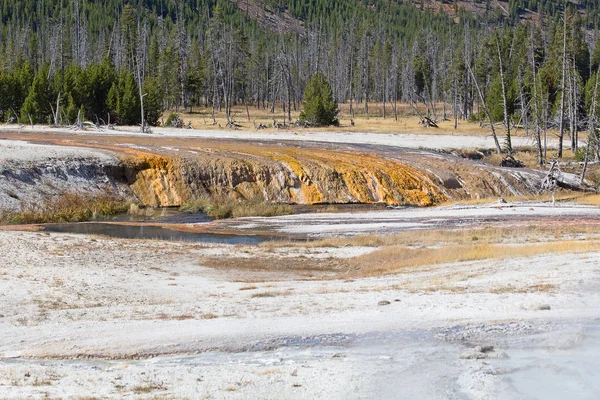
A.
pixel 320 109
pixel 153 105
pixel 123 99
pixel 36 107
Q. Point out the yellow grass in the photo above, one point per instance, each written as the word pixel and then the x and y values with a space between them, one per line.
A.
pixel 563 195
pixel 395 259
pixel 430 238
pixel 397 253
pixel 268 294
pixel 274 263
pixel 407 121
pixel 528 156
pixel 592 200
pixel 201 118
pixel 427 248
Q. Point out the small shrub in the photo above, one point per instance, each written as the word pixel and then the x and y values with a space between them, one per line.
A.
pixel 580 154
pixel 173 120
pixel 477 117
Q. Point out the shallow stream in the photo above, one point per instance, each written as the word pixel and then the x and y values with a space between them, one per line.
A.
pixel 153 232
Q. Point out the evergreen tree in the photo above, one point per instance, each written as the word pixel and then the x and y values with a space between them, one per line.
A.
pixel 153 104
pixel 94 85
pixel 123 100
pixel 319 107
pixel 37 106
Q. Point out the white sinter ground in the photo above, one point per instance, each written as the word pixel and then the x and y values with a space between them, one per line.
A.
pixel 399 139
pixel 400 220
pixel 33 173
pixel 84 316
pixel 90 317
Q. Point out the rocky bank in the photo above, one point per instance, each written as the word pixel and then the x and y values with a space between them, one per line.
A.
pixel 165 173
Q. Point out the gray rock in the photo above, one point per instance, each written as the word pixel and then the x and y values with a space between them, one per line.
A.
pixel 544 307
pixel 484 349
pixel 483 353
pixel 384 303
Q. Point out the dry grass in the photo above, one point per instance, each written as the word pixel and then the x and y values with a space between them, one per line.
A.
pixel 181 317
pixel 591 200
pixel 525 155
pixel 428 238
pixel 268 294
pixel 562 195
pixel 570 161
pixel 528 156
pixel 221 208
pixel 297 265
pixel 395 259
pixel 539 288
pixel 70 207
pixel 398 252
pixel 201 118
pixel 148 388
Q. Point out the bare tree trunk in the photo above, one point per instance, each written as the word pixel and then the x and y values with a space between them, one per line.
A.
pixel 396 102
pixel 523 101
pixel 56 111
pixel 504 102
pixel 585 163
pixel 384 93
pixel 562 86
pixel 571 110
pixel 575 137
pixel 485 109
pixel 143 125
pixel 214 67
pixel 593 135
pixel 538 138
pixel 455 103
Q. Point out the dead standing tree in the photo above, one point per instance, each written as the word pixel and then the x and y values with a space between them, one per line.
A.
pixel 593 134
pixel 486 110
pixel 562 85
pixel 550 182
pixel 504 100
pixel 182 53
pixel 139 68
pixel 536 108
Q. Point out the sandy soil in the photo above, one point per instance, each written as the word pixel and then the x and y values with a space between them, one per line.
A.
pixel 84 316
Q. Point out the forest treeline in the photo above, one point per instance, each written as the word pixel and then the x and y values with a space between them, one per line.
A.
pixel 116 61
